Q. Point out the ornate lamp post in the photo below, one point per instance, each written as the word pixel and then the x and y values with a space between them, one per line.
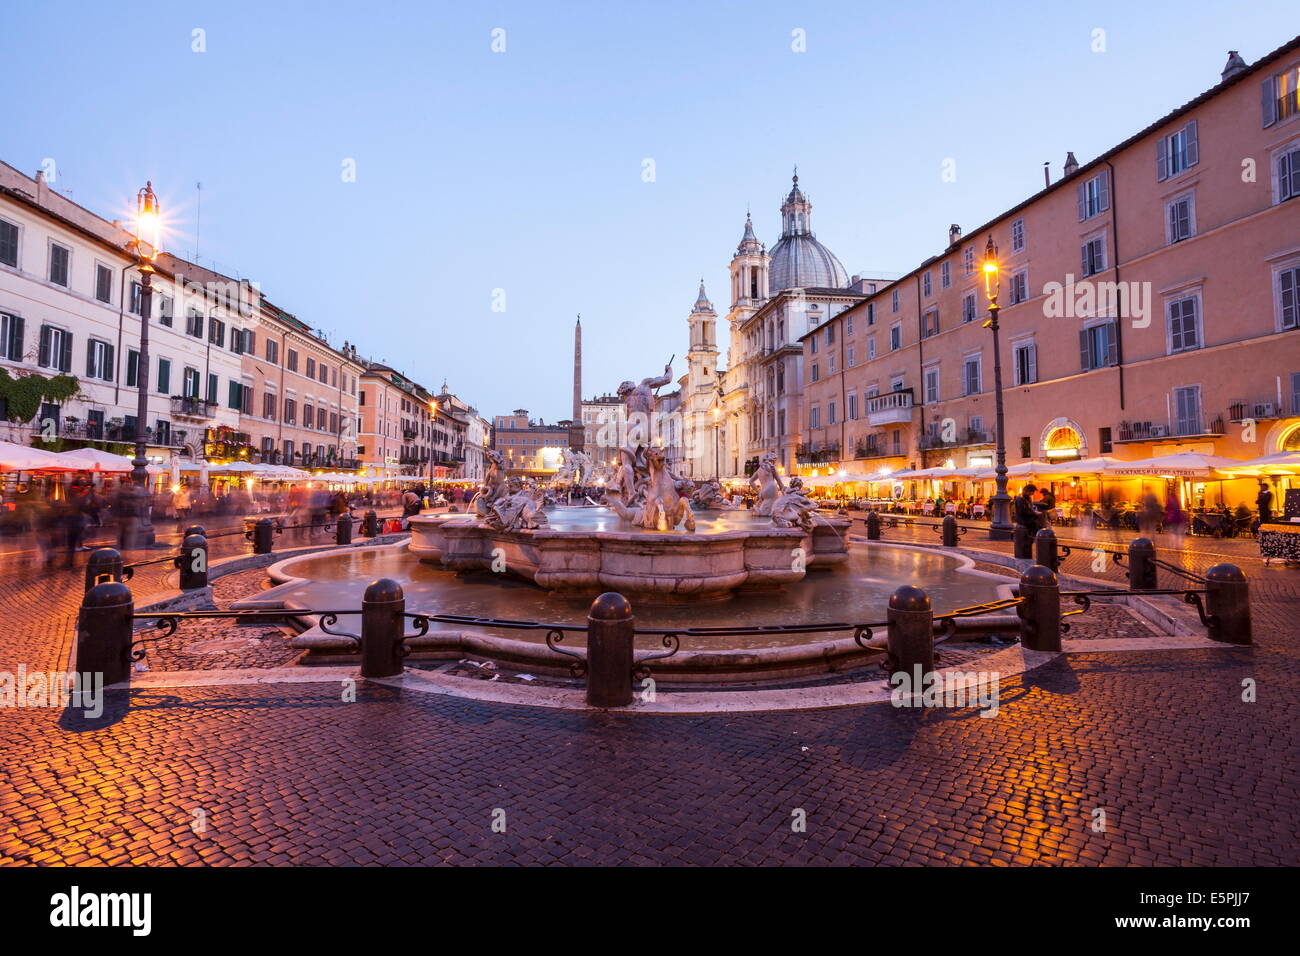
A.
pixel 1000 525
pixel 433 420
pixel 146 245
pixel 715 442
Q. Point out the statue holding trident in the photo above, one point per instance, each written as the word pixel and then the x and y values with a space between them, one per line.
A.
pixel 640 402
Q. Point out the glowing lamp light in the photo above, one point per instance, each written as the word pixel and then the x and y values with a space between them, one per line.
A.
pixel 991 271
pixel 148 224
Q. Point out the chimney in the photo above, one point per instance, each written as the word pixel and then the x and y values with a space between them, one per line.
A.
pixel 954 234
pixel 1071 164
pixel 1047 174
pixel 1235 65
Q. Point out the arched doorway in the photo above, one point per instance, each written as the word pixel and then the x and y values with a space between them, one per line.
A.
pixel 1062 440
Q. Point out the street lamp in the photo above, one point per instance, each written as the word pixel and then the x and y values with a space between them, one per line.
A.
pixel 1000 524
pixel 716 468
pixel 146 245
pixel 433 420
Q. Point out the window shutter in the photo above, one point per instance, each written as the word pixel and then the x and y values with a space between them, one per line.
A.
pixel 1162 159
pixel 1085 350
pixel 1033 363
pixel 1193 150
pixel 16 338
pixel 1084 262
pixel 90 358
pixel 234 401
pixel 1103 191
pixel 1268 102
pixel 66 364
pixel 1083 202
pixel 44 358
pixel 1111 343
pixel 110 367
pixel 250 342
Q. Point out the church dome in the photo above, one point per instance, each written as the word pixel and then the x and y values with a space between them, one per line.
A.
pixel 799 261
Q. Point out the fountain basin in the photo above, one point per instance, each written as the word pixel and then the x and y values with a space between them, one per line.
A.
pixel 587 554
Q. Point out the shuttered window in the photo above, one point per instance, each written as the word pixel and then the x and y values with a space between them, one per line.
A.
pixel 103 283
pixel 55 349
pixel 1288 281
pixel 1098 346
pixel 971 375
pixel 99 360
pixel 1093 196
pixel 8 243
pixel 1184 324
pixel 1094 256
pixel 1288 175
pixel 1179 214
pixel 1187 406
pixel 1026 363
pixel 11 337
pixel 1178 151
pixel 164 376
pixel 190 383
pixel 59 258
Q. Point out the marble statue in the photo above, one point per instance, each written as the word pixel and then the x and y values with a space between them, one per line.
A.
pixel 664 508
pixel 640 402
pixel 494 483
pixel 794 509
pixel 518 510
pixel 769 484
pixel 710 497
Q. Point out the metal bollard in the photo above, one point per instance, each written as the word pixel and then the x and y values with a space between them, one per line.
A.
pixel 196 529
pixel 610 630
pixel 1141 565
pixel 1045 549
pixel 1227 604
pixel 104 564
pixel 263 535
pixel 382 627
pixel 193 562
pixel 1022 543
pixel 873 526
pixel 343 529
pixel 104 632
pixel 370 526
pixel 950 534
pixel 1040 612
pixel 911 630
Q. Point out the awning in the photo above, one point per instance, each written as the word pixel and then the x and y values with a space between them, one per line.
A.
pixel 1187 464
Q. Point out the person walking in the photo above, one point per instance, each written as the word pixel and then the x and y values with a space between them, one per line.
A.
pixel 1175 519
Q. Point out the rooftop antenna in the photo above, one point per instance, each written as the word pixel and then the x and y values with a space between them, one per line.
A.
pixel 198 218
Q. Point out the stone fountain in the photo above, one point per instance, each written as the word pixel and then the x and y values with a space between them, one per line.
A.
pixel 632 544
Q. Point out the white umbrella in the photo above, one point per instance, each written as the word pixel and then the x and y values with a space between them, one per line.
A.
pixel 235 468
pixel 95 459
pixel 25 458
pixel 1278 463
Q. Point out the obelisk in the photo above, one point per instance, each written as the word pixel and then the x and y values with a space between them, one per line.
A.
pixel 577 433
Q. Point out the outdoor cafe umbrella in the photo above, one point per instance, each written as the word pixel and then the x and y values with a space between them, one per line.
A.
pixel 95 459
pixel 1185 464
pixel 1278 463
pixel 25 458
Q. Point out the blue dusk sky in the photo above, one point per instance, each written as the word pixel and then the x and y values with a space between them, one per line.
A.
pixel 522 170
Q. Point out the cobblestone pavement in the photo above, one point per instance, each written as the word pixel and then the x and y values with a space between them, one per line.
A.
pixel 1181 769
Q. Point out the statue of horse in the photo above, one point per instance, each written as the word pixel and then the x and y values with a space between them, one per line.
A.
pixel 664 507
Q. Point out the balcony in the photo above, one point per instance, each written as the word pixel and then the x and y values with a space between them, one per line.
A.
pixel 969 436
pixel 1254 411
pixel 188 406
pixel 818 452
pixel 875 449
pixel 894 408
pixel 1152 431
